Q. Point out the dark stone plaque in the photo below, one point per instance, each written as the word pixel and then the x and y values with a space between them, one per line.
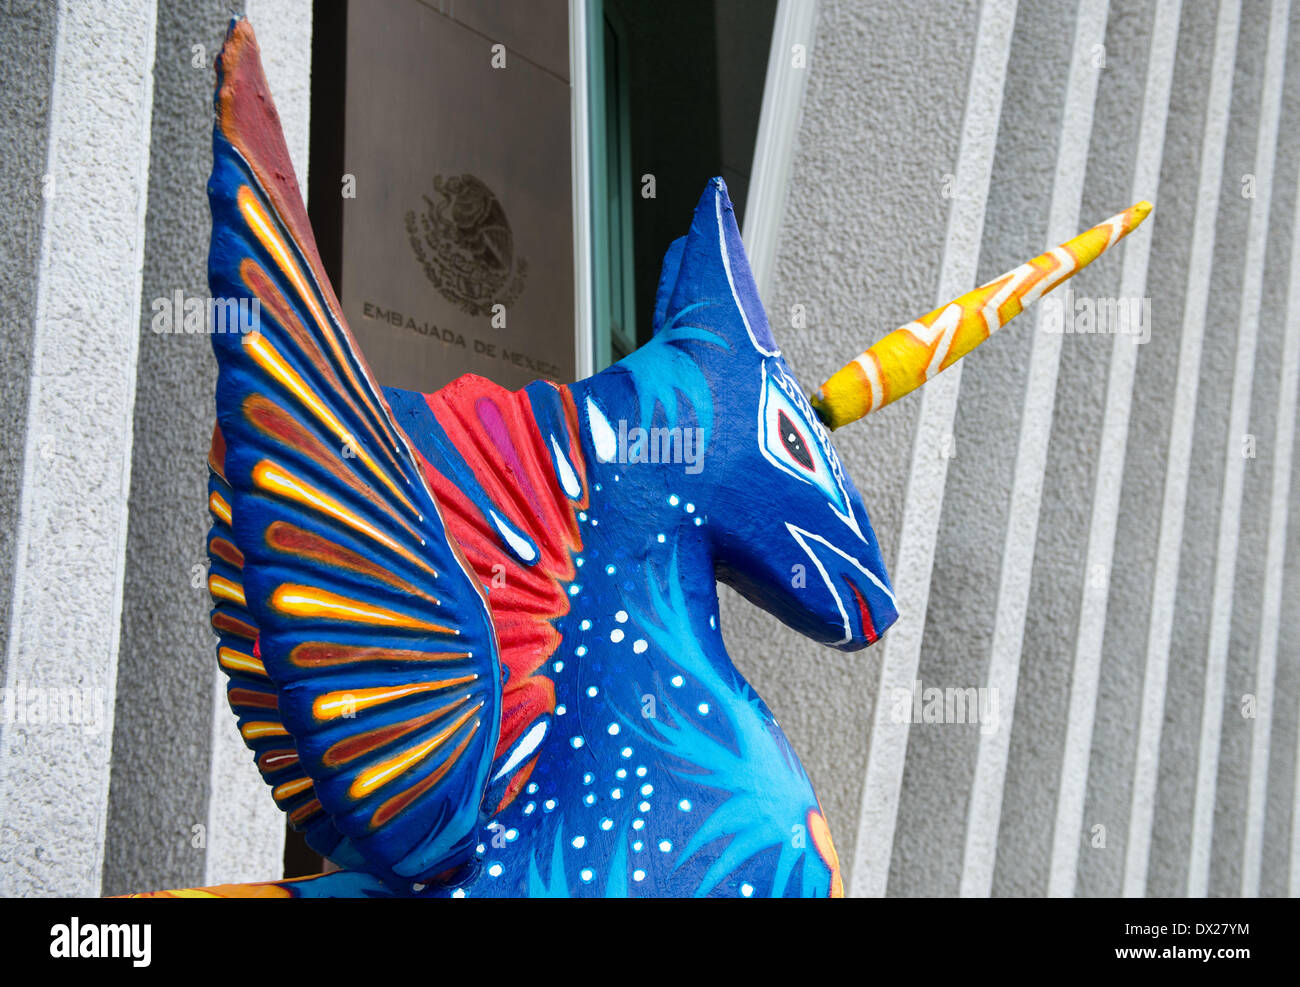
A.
pixel 457 249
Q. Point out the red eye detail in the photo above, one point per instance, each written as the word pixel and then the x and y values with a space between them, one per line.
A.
pixel 793 441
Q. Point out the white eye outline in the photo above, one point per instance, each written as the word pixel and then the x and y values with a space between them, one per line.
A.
pixel 773 399
pixel 793 442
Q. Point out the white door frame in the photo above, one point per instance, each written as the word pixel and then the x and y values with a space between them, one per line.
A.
pixel 778 123
pixel 584 336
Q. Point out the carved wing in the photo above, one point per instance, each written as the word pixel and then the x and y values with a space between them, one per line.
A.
pixel 507 468
pixel 361 649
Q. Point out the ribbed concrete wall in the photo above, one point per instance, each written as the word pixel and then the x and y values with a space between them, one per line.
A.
pixel 70 526
pixel 100 532
pixel 1105 536
pixel 26 70
pixel 1100 533
pixel 159 830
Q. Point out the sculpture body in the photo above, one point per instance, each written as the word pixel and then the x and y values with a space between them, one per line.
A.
pixel 473 636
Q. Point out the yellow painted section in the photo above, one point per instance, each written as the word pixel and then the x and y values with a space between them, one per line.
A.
pixel 911 355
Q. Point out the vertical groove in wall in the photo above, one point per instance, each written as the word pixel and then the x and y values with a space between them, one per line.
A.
pixel 1165 582
pixel 984 820
pixel 1057 577
pixel 933 808
pixel 887 753
pixel 1110 464
pixel 1278 783
pixel 1292 886
pixel 1109 794
pixel 26 70
pixel 1281 839
pixel 1249 681
pixel 1182 732
pixel 68 571
pixel 1234 462
pixel 1271 606
pixel 159 793
pixel 1280 867
pixel 1257 778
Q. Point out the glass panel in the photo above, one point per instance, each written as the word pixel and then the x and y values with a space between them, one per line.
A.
pixel 676 86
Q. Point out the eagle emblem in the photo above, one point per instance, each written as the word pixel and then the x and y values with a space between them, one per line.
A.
pixel 465 245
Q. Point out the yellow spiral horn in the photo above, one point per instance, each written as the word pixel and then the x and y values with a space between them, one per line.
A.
pixel 908 357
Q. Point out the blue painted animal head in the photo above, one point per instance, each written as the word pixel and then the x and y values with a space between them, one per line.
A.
pixel 709 414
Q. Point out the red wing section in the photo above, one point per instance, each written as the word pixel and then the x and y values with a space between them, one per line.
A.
pixel 508 471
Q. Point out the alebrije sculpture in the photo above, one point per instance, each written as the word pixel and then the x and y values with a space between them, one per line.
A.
pixel 472 636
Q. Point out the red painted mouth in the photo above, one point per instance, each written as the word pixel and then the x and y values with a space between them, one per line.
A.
pixel 868 625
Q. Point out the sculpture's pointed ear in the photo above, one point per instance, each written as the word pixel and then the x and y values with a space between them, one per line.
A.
pixel 667 281
pixel 713 275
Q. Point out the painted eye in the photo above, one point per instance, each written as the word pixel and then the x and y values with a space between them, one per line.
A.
pixel 788 442
pixel 793 441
